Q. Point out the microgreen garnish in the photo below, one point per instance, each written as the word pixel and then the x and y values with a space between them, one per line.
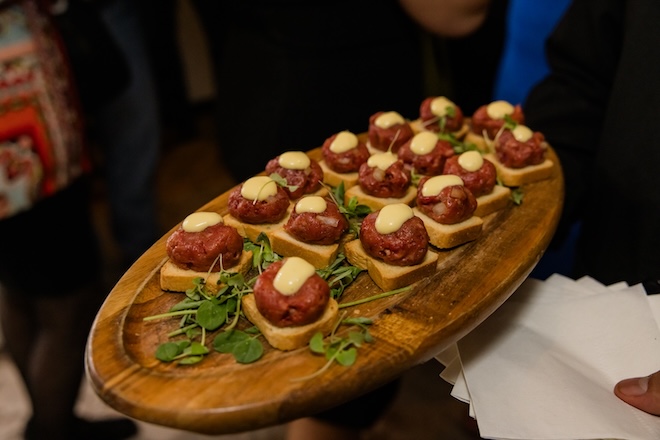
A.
pixel 202 311
pixel 450 112
pixel 375 297
pixel 245 348
pixel 517 195
pixel 462 147
pixel 281 181
pixel 451 138
pixel 342 350
pixel 262 252
pixel 430 121
pixel 415 178
pixel 354 211
pixel 509 122
pixel 339 276
pixel 185 352
pixel 396 136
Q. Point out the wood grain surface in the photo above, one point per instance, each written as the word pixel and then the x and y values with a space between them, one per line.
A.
pixel 219 396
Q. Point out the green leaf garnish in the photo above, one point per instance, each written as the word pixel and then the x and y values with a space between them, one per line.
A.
pixel 190 360
pixel 248 351
pixel 225 341
pixel 211 316
pixel 262 252
pixel 339 275
pixel 195 348
pixel 281 181
pixel 243 347
pixel 338 349
pixel 509 122
pixel 168 351
pixel 346 357
pixel 517 195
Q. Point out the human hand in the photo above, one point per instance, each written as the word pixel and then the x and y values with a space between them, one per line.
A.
pixel 641 392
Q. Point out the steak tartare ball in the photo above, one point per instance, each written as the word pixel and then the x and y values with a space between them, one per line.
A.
pixel 258 200
pixel 303 175
pixel 445 199
pixel 290 293
pixel 395 235
pixel 316 220
pixel 202 240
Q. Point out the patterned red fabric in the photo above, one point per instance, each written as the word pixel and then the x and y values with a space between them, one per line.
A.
pixel 42 146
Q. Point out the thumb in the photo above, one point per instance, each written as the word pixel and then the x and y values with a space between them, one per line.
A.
pixel 641 392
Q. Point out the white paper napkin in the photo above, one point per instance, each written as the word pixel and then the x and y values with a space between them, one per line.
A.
pixel 544 365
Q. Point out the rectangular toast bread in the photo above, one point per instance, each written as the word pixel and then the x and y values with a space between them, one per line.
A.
pixel 387 276
pixel 175 279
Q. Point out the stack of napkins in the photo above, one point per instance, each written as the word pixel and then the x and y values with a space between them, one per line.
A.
pixel 544 365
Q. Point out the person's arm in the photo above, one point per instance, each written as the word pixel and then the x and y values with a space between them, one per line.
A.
pixel 641 392
pixel 568 106
pixel 450 18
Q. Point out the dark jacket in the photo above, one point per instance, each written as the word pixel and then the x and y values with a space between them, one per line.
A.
pixel 600 109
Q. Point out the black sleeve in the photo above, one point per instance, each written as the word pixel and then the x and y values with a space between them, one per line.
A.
pixel 568 106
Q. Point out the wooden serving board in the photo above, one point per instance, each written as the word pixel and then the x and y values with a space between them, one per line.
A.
pixel 219 396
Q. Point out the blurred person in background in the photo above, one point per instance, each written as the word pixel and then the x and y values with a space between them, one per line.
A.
pixel 470 63
pixel 522 66
pixel 118 95
pixel 127 129
pixel 598 108
pixel 160 25
pixel 289 74
pixel 50 280
pixel 113 73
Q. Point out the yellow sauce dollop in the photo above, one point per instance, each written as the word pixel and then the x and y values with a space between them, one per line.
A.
pixel 423 142
pixel 198 221
pixel 391 217
pixel 522 133
pixel 382 160
pixel 343 142
pixel 294 160
pixel 388 119
pixel 435 184
pixel 440 105
pixel 315 204
pixel 499 109
pixel 471 160
pixel 259 188
pixel 292 275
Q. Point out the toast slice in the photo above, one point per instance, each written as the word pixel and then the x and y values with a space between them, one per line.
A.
pixel 319 256
pixel 376 203
pixel 498 199
pixel 449 236
pixel 252 231
pixel 483 144
pixel 175 279
pixel 521 176
pixel 290 338
pixel 334 178
pixel 387 276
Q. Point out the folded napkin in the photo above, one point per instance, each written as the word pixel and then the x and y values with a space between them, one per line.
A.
pixel 544 365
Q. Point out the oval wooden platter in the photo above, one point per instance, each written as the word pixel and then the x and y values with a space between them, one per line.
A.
pixel 219 396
